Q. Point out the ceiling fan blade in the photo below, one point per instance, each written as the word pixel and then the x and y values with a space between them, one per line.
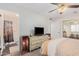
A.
pixel 54 3
pixel 52 10
pixel 73 6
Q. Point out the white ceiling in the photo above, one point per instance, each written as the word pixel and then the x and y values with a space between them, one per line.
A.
pixel 41 8
pixel 44 8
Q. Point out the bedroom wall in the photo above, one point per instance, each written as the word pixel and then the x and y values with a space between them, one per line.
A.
pixel 56 28
pixel 28 19
pixel 34 20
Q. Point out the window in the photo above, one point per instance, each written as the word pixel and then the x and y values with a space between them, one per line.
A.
pixel 75 28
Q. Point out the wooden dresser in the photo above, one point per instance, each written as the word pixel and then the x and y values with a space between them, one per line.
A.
pixel 36 41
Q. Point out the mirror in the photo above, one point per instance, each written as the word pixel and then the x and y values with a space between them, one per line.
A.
pixel 71 29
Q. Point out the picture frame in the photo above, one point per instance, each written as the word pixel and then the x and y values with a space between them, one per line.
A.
pixel 8 31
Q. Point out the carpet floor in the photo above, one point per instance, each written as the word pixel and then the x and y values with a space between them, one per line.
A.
pixel 33 53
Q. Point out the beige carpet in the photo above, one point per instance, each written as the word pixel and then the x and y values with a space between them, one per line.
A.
pixel 33 53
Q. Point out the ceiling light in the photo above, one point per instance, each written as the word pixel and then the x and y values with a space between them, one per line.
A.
pixel 62 8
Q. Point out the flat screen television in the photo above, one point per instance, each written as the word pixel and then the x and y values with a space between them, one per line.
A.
pixel 39 31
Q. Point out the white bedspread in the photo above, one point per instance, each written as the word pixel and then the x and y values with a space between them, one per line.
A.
pixel 61 47
pixel 52 46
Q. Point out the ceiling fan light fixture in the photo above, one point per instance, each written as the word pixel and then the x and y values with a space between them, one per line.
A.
pixel 62 8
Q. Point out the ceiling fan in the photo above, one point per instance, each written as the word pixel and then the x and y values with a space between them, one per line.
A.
pixel 62 6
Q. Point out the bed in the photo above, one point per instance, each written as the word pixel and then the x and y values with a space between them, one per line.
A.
pixel 60 47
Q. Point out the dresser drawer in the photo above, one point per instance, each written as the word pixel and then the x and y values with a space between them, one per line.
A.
pixel 35 46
